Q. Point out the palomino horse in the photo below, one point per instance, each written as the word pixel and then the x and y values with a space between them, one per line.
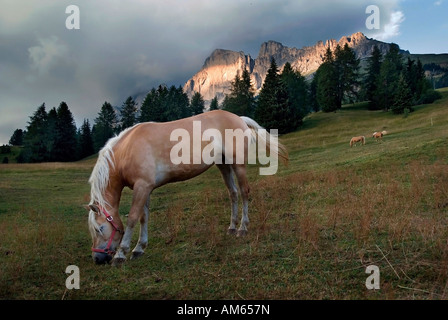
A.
pixel 355 140
pixel 378 135
pixel 141 158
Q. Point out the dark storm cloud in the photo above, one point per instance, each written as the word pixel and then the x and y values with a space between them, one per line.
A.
pixel 128 47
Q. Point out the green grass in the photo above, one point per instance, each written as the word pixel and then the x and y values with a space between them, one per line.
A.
pixel 315 226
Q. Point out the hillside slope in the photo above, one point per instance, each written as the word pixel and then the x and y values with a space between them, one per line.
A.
pixel 314 227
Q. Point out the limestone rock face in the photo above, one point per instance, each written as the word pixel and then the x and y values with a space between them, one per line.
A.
pixel 220 69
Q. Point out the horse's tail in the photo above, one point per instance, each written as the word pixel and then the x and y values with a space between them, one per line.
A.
pixel 282 152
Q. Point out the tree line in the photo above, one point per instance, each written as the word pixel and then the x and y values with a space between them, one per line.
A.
pixel 286 97
pixel 396 84
pixel 53 136
pixel 389 83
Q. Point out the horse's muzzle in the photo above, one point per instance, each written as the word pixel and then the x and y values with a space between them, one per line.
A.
pixel 101 258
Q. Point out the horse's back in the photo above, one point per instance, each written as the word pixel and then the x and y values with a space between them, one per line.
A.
pixel 145 150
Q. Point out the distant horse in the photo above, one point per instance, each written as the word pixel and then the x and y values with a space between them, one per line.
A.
pixel 355 140
pixel 377 135
pixel 141 158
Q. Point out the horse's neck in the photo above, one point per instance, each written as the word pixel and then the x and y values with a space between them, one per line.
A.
pixel 112 194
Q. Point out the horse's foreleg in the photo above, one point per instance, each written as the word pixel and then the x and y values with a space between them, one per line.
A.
pixel 240 172
pixel 140 196
pixel 143 237
pixel 227 175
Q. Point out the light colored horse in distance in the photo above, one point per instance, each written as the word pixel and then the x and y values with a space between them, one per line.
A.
pixel 139 158
pixel 378 135
pixel 355 140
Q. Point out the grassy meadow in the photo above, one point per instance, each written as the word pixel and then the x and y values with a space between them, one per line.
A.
pixel 315 226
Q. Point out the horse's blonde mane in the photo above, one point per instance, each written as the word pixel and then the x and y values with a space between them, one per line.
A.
pixel 99 179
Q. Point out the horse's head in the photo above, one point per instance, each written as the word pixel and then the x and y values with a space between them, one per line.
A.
pixel 106 231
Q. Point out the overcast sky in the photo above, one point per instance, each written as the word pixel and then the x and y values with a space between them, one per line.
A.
pixel 127 47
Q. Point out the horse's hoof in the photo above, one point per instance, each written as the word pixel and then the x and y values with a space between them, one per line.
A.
pixel 231 231
pixel 241 233
pixel 118 262
pixel 136 254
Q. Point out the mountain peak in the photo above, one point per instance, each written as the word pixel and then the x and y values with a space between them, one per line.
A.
pixel 270 48
pixel 221 67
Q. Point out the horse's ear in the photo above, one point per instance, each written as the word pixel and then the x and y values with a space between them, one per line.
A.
pixel 94 208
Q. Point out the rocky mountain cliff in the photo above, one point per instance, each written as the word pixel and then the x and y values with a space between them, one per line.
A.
pixel 214 78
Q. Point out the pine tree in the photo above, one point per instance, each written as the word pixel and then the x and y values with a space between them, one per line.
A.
pixel 105 126
pixel 241 98
pixel 85 140
pixel 35 147
pixel 197 104
pixel 51 133
pixel 327 83
pixel 403 98
pixel 371 79
pixel 17 138
pixel 388 78
pixel 163 104
pixel 177 105
pixel 65 141
pixel 214 104
pixel 314 103
pixel 347 66
pixel 273 110
pixel 297 94
pixel 153 106
pixel 128 112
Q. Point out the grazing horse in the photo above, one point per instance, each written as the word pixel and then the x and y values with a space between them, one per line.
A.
pixel 355 140
pixel 377 135
pixel 145 157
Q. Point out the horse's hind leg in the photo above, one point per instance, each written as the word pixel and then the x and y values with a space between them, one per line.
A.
pixel 143 237
pixel 240 172
pixel 227 175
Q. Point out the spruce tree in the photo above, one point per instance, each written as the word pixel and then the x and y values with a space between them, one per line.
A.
pixel 273 110
pixel 371 79
pixel 197 104
pixel 388 78
pixel 347 67
pixel 85 140
pixel 297 94
pixel 65 141
pixel 153 107
pixel 105 126
pixel 214 104
pixel 17 138
pixel 241 98
pixel 128 112
pixel 403 98
pixel 35 146
pixel 51 133
pixel 177 105
pixel 327 83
